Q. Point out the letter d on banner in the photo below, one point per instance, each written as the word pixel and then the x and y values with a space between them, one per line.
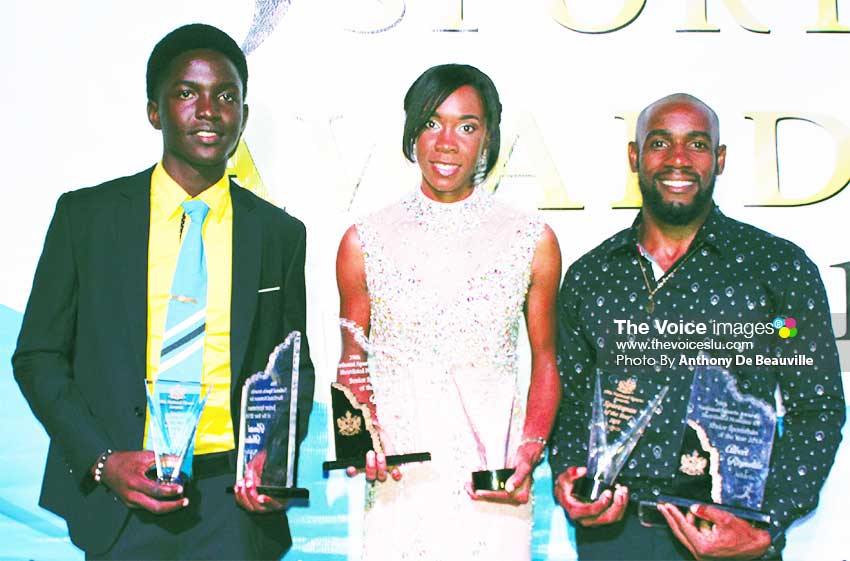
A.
pixel 767 166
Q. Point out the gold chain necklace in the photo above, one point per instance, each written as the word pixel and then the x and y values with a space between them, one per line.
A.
pixel 650 304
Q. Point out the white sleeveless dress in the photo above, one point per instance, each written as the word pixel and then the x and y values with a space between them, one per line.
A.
pixel 447 284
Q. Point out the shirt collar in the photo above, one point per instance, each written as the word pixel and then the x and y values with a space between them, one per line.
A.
pixel 167 195
pixel 710 234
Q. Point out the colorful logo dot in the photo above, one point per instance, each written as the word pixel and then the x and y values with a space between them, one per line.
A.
pixel 787 327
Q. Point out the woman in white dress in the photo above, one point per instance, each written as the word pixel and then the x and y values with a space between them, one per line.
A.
pixel 439 282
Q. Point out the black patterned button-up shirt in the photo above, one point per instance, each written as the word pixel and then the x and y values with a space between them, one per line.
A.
pixel 734 278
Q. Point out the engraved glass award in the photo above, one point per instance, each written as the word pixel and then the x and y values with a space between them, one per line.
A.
pixel 621 411
pixel 355 430
pixel 724 459
pixel 268 423
pixel 489 422
pixel 175 408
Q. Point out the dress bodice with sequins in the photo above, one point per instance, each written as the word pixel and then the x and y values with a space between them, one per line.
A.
pixel 447 284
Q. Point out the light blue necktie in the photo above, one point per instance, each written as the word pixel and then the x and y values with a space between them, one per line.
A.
pixel 182 356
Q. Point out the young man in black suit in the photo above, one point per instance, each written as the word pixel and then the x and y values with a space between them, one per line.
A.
pixel 94 326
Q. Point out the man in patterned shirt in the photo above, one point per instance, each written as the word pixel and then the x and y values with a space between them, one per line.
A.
pixel 684 261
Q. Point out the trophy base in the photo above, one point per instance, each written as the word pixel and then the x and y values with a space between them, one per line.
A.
pixel 181 478
pixel 360 461
pixel 589 490
pixel 284 492
pixel 647 510
pixel 279 493
pixel 491 480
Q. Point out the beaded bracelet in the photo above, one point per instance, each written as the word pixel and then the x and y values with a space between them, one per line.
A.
pixel 535 439
pixel 101 463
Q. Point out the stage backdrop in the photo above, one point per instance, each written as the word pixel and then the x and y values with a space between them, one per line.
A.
pixel 326 88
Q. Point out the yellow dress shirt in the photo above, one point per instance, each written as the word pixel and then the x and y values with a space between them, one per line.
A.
pixel 215 430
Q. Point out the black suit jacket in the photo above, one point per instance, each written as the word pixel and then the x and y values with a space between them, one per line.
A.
pixel 80 359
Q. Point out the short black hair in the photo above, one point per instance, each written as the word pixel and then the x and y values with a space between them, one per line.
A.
pixel 432 88
pixel 679 97
pixel 188 38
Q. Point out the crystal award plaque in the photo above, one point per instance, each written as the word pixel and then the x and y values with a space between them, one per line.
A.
pixel 355 432
pixel 621 410
pixel 725 454
pixel 489 422
pixel 175 408
pixel 268 423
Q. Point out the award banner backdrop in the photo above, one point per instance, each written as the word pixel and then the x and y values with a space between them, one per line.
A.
pixel 327 80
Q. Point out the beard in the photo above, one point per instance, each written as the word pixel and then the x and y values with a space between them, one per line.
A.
pixel 676 213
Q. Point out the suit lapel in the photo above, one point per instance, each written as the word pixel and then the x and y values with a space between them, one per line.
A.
pixel 132 227
pixel 247 254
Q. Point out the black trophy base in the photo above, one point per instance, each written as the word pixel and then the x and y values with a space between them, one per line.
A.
pixel 491 480
pixel 589 490
pixel 181 479
pixel 392 460
pixel 284 492
pixel 278 493
pixel 740 512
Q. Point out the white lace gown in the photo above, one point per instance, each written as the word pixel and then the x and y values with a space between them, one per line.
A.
pixel 447 283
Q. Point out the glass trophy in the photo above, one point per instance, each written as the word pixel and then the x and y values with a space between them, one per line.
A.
pixel 621 411
pixel 355 431
pixel 268 423
pixel 489 421
pixel 175 408
pixel 724 459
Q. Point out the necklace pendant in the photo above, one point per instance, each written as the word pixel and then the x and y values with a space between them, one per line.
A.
pixel 650 306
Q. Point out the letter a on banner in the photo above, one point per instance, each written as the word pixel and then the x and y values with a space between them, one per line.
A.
pixel 241 166
pixel 632 197
pixel 543 169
